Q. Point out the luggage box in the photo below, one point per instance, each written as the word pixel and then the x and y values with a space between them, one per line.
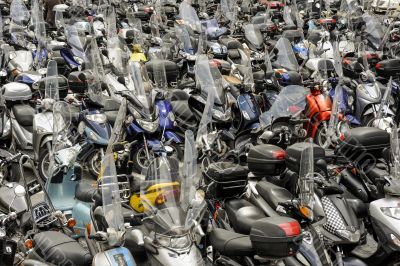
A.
pixel 293 155
pixel 226 179
pixel 266 160
pixel 276 237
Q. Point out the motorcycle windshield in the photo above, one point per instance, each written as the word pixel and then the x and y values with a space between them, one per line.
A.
pixel 246 70
pixel 19 14
pixel 287 16
pixel 291 101
pixel 395 147
pixel 169 194
pixel 374 29
pixel 253 35
pixel 108 182
pixel 209 78
pixel 384 106
pixel 228 9
pixel 118 55
pixel 285 56
pixel 143 90
pixel 51 82
pixel 111 23
pixel 75 40
pixel 155 23
pixel 189 16
pixel 59 19
pixel 350 6
pixel 159 74
pixel 95 67
pixel 60 142
pixel 186 41
pixel 306 180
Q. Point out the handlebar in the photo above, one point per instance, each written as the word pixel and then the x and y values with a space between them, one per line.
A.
pixel 10 159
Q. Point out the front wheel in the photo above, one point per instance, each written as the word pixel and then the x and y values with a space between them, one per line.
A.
pixel 94 162
pixel 321 136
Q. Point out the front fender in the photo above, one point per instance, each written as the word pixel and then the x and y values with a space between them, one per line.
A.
pixel 170 135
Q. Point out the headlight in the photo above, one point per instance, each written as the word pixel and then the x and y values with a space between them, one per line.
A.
pixel 393 212
pixel 93 136
pixel 148 126
pixel 245 115
pixel 163 240
pixel 180 242
pixel 220 115
pixel 98 118
pixel 351 236
pixel 78 60
pixel 40 130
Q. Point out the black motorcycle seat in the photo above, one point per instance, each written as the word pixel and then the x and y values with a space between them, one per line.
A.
pixel 85 190
pixel 360 208
pixel 179 95
pixel 375 174
pixel 24 114
pixel 229 243
pixel 231 43
pixel 56 247
pixel 273 194
pixel 242 214
pixel 181 109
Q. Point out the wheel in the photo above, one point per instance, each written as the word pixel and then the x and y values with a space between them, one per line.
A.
pixel 94 162
pixel 368 120
pixel 321 136
pixel 44 163
pixel 141 161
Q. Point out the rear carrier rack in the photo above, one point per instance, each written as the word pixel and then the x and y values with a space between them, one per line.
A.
pixel 123 187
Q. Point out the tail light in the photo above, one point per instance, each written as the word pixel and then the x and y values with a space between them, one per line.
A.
pixel 378 66
pixel 291 228
pixel 279 155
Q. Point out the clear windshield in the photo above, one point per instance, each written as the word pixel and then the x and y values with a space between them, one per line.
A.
pixel 155 23
pixel 159 74
pixel 246 70
pixel 170 194
pixel 51 83
pixel 285 56
pixel 395 147
pixel 95 66
pixel 209 78
pixel 75 40
pixel 18 12
pixel 118 55
pixel 117 132
pixel 374 29
pixel 60 142
pixel 142 88
pixel 291 101
pixel 110 193
pixel 287 16
pixel 229 10
pixel 189 16
pixel 160 195
pixel 253 34
pixel 185 39
pixel 306 179
pixel 111 23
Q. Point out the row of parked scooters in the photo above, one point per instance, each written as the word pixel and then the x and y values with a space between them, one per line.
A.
pixel 226 132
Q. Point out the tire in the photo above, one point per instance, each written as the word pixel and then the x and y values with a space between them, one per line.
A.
pixel 43 163
pixel 94 162
pixel 321 137
pixel 367 120
pixel 140 161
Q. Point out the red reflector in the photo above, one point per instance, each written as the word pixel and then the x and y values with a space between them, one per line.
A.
pixel 342 137
pixel 279 155
pixel 291 228
pixel 378 66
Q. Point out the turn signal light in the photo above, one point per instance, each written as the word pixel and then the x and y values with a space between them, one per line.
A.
pixel 28 243
pixel 71 223
pixel 89 229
